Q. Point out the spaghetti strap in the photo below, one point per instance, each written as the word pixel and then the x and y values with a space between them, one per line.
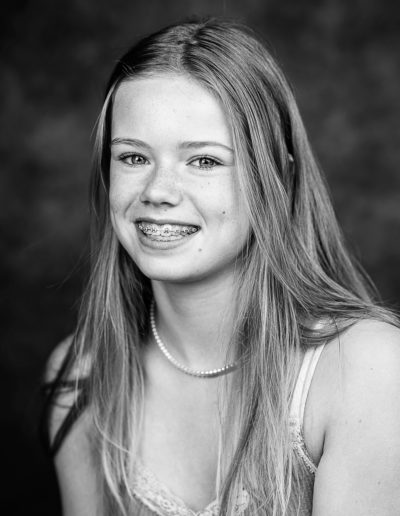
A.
pixel 306 373
pixel 300 393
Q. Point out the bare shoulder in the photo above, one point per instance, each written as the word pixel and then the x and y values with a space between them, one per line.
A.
pixel 360 378
pixel 369 340
pixel 360 370
pixel 74 461
pixel 56 358
pixel 367 353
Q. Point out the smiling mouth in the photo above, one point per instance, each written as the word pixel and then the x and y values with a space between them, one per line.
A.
pixel 166 232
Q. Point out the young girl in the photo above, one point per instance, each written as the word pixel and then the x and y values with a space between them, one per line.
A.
pixel 229 358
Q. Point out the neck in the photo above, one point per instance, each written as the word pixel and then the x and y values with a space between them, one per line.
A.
pixel 195 321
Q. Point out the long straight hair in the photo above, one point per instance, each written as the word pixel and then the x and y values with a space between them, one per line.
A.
pixel 297 270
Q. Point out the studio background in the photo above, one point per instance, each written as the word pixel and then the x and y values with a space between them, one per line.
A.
pixel 343 61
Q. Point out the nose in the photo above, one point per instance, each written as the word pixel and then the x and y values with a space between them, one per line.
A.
pixel 161 188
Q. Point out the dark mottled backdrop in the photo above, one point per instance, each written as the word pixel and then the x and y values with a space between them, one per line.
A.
pixel 342 58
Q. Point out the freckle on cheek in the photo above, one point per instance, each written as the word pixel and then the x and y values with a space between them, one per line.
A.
pixel 223 213
pixel 200 249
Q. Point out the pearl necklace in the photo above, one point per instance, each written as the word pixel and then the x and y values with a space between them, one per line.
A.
pixel 192 372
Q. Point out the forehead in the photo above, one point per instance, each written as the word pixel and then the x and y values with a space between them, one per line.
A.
pixel 168 105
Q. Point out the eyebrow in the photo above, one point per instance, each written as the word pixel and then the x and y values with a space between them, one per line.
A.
pixel 198 145
pixel 182 145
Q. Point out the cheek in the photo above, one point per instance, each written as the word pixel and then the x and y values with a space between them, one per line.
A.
pixel 234 217
pixel 114 194
pixel 121 196
pixel 116 202
pixel 230 210
pixel 115 210
pixel 119 214
pixel 219 198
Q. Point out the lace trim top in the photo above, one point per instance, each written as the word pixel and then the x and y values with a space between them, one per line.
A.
pixel 161 501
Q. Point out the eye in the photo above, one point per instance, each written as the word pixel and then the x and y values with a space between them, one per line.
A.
pixel 133 160
pixel 205 162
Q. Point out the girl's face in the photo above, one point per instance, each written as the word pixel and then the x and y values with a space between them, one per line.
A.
pixel 174 201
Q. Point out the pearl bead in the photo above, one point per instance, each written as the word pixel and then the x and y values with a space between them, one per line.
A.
pixel 192 372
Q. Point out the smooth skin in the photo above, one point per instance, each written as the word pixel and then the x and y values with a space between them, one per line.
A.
pixel 160 169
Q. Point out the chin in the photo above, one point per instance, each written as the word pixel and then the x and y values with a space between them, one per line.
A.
pixel 170 276
pixel 181 273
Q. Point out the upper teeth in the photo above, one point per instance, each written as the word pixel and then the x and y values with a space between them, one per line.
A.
pixel 166 229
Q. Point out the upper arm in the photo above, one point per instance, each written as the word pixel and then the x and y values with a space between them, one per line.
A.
pixel 359 472
pixel 74 461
